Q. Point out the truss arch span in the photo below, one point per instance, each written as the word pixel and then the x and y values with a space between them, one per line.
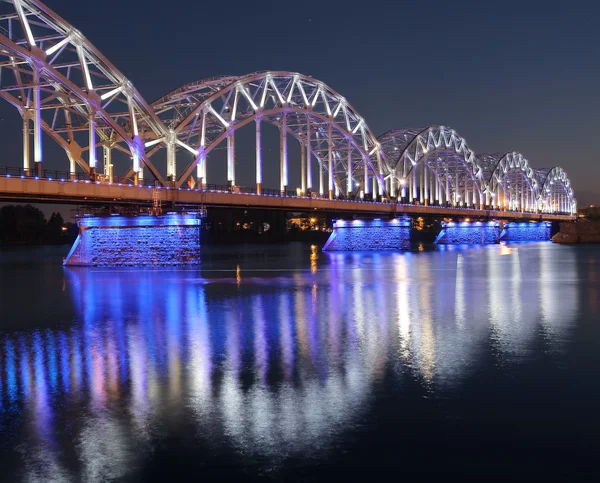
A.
pixel 509 180
pixel 204 114
pixel 556 193
pixel 432 165
pixel 62 84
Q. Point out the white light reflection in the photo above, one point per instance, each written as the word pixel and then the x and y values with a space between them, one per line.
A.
pixel 558 296
pixel 425 349
pixel 513 306
pixel 402 306
pixel 279 364
pixel 200 362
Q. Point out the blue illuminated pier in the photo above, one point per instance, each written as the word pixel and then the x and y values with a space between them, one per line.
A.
pixel 469 232
pixel 526 231
pixel 483 233
pixel 369 235
pixel 137 241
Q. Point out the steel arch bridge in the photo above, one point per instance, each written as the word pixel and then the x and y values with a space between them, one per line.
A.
pixel 433 165
pixel 63 86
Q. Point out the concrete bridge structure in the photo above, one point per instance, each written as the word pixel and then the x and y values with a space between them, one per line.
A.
pixel 82 192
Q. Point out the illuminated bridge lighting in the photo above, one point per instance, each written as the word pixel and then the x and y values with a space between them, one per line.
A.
pixel 340 157
pixel 369 235
pixel 137 241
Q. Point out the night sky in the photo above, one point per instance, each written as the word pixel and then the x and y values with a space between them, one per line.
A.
pixel 507 76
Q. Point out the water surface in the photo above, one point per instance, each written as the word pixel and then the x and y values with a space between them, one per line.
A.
pixel 281 362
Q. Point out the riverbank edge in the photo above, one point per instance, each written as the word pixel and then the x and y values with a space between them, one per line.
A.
pixel 583 231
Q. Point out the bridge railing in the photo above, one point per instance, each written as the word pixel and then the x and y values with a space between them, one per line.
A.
pixel 64 176
pixel 54 175
pixel 248 190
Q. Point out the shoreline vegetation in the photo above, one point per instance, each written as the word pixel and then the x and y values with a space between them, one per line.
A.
pixel 26 225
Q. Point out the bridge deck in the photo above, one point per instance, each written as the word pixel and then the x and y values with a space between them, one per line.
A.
pixel 85 192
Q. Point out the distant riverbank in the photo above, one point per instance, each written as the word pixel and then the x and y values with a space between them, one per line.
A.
pixel 584 231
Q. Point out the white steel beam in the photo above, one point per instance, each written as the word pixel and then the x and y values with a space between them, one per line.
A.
pixel 258 157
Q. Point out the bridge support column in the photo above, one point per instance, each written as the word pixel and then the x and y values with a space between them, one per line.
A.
pixel 37 123
pixel 26 155
pixel 283 151
pixel 330 161
pixel 136 167
pixel 349 187
pixel 321 184
pixel 308 157
pixel 414 185
pixel 380 178
pixel 108 167
pixel 171 158
pixel 366 189
pixel 201 169
pixel 522 207
pixel 531 203
pixel 231 160
pixel 426 183
pixel 258 158
pixel 138 170
pixel 72 174
pixel 456 191
pixel 92 160
pixel 421 183
pixel 302 169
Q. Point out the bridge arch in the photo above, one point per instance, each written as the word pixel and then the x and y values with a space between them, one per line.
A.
pixel 202 115
pixel 61 84
pixel 432 165
pixel 509 181
pixel 556 193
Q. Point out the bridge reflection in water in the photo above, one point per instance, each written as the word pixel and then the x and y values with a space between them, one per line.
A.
pixel 271 364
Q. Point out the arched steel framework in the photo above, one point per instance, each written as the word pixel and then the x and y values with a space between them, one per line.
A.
pixel 509 181
pixel 556 193
pixel 431 165
pixel 63 86
pixel 202 115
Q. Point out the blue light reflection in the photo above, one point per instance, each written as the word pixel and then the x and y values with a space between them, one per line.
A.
pixel 273 363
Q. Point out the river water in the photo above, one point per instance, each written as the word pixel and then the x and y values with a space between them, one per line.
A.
pixel 282 362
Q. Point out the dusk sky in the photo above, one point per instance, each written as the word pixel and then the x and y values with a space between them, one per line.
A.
pixel 507 76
